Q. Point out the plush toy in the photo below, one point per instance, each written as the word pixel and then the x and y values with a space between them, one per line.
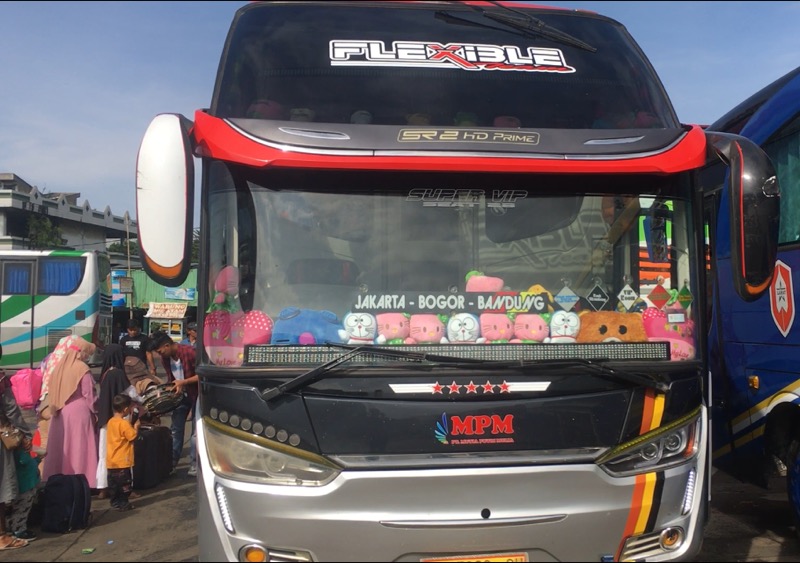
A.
pixel 393 328
pixel 418 119
pixel 538 289
pixel 610 326
pixel 305 327
pixel 302 114
pixel 564 328
pixel 477 282
pixel 359 328
pixel 226 328
pixel 530 328
pixel 266 109
pixel 507 122
pixel 464 328
pixel 680 335
pixel 361 116
pixel 497 328
pixel 426 329
pixel 465 119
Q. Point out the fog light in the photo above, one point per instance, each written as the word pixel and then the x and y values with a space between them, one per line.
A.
pixel 253 554
pixel 671 539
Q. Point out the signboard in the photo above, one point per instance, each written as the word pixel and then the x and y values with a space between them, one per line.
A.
pixel 180 293
pixel 781 298
pixel 117 297
pixel 166 310
pixel 125 285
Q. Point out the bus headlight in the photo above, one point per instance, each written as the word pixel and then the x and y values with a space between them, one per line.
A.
pixel 241 456
pixel 657 450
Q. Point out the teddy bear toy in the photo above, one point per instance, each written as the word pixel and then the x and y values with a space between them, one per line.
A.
pixel 359 328
pixel 393 328
pixel 610 326
pixel 464 328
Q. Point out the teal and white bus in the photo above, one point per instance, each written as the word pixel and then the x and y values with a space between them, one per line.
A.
pixel 49 294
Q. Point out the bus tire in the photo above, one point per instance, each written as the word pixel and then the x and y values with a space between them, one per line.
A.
pixel 793 481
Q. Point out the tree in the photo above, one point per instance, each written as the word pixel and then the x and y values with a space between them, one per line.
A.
pixel 121 247
pixel 43 234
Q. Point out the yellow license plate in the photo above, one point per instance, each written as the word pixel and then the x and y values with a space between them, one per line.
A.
pixel 499 557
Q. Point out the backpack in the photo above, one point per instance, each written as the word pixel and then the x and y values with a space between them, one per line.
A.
pixel 26 385
pixel 67 503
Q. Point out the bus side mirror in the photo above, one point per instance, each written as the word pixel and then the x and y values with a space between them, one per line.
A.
pixel 754 212
pixel 165 199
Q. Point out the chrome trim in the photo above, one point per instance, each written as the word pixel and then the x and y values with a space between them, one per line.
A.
pixel 619 141
pixel 473 523
pixel 456 154
pixel 315 134
pixel 471 459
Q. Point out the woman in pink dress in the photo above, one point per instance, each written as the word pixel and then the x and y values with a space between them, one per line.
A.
pixel 72 444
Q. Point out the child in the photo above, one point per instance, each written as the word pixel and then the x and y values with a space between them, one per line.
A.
pixel 28 479
pixel 120 435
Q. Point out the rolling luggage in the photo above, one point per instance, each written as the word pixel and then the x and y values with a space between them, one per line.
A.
pixel 152 456
pixel 67 503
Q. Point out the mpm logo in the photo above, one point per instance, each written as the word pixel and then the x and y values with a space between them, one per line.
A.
pixel 499 427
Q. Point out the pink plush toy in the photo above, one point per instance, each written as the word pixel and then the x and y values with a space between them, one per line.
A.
pixel 477 282
pixel 393 328
pixel 680 335
pixel 530 328
pixel 226 328
pixel 496 328
pixel 426 329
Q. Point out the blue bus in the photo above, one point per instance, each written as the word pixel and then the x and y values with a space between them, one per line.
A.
pixel 755 346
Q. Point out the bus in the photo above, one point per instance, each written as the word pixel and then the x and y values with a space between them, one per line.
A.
pixel 755 349
pixel 49 294
pixel 423 332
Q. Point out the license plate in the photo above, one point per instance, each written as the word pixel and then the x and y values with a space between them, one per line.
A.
pixel 499 557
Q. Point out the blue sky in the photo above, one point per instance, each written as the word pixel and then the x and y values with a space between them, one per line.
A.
pixel 82 80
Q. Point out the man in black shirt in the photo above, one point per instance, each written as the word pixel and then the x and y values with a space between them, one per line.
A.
pixel 138 344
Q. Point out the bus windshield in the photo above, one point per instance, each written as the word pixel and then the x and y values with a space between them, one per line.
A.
pixel 388 63
pixel 309 258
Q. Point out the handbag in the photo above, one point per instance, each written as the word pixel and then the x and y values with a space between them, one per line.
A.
pixel 11 437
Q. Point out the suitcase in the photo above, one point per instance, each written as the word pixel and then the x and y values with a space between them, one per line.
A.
pixel 67 503
pixel 152 456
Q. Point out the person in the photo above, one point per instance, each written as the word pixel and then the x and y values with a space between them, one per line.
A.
pixel 113 381
pixel 72 445
pixel 10 415
pixel 119 452
pixel 179 364
pixel 27 467
pixel 191 334
pixel 138 345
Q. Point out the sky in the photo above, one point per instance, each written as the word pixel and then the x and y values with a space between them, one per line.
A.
pixel 81 81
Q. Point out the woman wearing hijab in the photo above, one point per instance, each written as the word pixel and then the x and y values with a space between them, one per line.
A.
pixel 72 444
pixel 113 382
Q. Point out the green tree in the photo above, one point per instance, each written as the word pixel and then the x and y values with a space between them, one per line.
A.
pixel 43 234
pixel 121 247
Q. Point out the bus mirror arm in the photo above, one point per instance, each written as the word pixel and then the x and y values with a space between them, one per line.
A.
pixel 754 208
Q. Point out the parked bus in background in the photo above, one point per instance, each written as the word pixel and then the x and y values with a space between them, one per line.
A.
pixel 425 336
pixel 49 294
pixel 755 346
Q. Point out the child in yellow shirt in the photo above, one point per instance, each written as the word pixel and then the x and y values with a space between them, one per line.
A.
pixel 120 434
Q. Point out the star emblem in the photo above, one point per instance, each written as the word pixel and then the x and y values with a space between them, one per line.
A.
pixel 488 387
pixel 504 388
pixel 454 388
pixel 437 388
pixel 471 388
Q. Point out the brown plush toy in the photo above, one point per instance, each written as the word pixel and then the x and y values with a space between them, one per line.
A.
pixel 609 326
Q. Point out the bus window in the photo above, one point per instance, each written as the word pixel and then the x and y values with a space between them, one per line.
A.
pixel 17 279
pixel 60 276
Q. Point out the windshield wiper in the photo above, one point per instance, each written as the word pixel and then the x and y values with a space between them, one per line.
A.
pixel 525 22
pixel 352 352
pixel 599 368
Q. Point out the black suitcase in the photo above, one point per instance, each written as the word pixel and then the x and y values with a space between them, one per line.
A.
pixel 67 503
pixel 152 456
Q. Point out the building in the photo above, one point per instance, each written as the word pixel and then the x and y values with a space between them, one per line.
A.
pixel 81 226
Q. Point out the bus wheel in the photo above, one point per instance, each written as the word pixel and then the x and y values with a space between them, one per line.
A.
pixel 793 481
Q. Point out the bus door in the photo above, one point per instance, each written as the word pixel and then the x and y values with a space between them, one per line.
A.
pixel 16 311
